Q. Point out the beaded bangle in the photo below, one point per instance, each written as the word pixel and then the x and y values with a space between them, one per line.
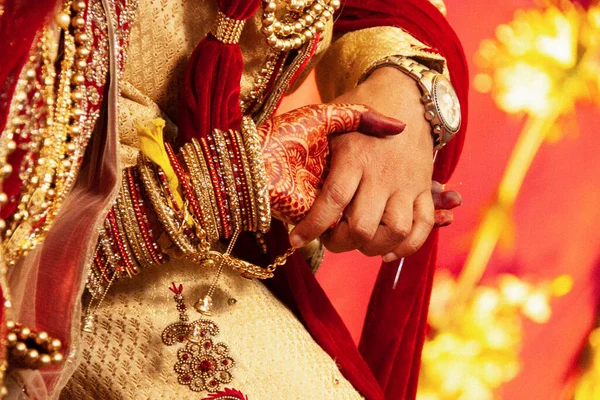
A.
pixel 239 178
pixel 165 214
pixel 219 195
pixel 249 190
pixel 228 177
pixel 121 245
pixel 183 181
pixel 200 187
pixel 204 171
pixel 138 206
pixel 259 174
pixel 126 213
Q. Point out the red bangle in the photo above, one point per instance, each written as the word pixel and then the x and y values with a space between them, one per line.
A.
pixel 187 190
pixel 141 217
pixel 218 186
pixel 120 245
pixel 239 177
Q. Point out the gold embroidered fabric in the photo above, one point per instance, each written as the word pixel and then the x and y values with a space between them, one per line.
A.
pixel 350 56
pixel 164 37
pixel 276 358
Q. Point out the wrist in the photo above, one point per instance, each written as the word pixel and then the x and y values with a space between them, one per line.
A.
pixel 396 94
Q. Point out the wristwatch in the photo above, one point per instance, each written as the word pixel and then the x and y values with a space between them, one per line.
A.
pixel 442 108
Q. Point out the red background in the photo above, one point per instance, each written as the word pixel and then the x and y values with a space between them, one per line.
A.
pixel 555 217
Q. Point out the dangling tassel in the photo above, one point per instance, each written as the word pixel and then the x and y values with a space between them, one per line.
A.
pixel 210 98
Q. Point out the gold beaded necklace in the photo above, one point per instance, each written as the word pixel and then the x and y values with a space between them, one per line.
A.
pixel 306 19
pixel 52 133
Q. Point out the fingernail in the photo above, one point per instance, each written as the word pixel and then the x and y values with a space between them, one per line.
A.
pixel 297 241
pixel 389 257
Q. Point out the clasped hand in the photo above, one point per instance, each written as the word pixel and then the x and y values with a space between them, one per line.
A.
pixel 354 176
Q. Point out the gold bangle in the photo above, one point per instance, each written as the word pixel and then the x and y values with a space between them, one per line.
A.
pixel 164 212
pixel 227 173
pixel 253 206
pixel 259 174
pixel 208 187
pixel 132 229
pixel 197 180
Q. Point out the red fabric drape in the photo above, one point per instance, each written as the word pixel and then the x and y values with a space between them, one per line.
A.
pixel 210 97
pixel 396 319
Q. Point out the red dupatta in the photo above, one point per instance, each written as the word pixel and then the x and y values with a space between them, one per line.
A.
pixel 387 366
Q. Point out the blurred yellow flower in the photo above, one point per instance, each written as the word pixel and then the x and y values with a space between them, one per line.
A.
pixel 544 61
pixel 472 355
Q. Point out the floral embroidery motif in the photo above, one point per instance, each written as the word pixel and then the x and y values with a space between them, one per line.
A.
pixel 203 364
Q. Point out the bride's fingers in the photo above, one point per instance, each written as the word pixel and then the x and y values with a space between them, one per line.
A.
pixel 446 200
pixel 442 218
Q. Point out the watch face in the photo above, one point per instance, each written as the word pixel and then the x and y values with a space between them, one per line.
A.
pixel 446 103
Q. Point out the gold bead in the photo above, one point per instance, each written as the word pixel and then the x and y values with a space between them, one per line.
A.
pixel 319 26
pixel 335 4
pixel 277 26
pixel 30 73
pixel 309 35
pixel 42 337
pixel 11 145
pixel 326 14
pixel 272 40
pixel 77 95
pixel 79 79
pixel 81 37
pixel 3 198
pixel 2 224
pixel 209 262
pixel 268 20
pixel 317 8
pixel 309 19
pixel 279 45
pixel 32 356
pixel 80 64
pixel 297 42
pixel 82 52
pixel 79 6
pixel 20 349
pixel 298 27
pixel 7 169
pixel 270 7
pixel 3 391
pixel 268 30
pixel 44 361
pixel 78 22
pixel 55 345
pixel 71 147
pixel 57 358
pixel 76 112
pixel 11 339
pixel 10 324
pixel 63 20
pixel 24 333
pixel 286 30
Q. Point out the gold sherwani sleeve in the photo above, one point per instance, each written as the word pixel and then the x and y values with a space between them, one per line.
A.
pixel 354 53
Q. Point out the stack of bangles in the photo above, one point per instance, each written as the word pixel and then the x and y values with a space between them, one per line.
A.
pixel 225 191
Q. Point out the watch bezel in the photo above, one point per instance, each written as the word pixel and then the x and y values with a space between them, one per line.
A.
pixel 436 103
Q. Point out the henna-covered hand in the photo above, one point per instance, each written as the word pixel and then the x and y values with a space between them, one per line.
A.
pixel 295 150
